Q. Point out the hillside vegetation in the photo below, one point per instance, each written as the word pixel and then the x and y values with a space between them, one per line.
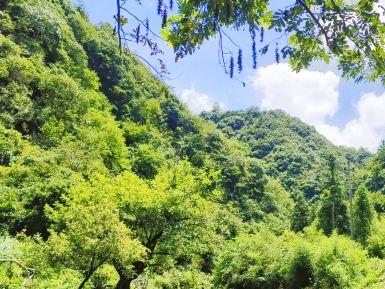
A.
pixel 107 180
pixel 293 151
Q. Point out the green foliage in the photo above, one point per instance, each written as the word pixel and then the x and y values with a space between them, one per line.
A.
pixel 363 215
pixel 176 279
pixel 315 30
pixel 300 217
pixel 106 179
pixel 293 151
pixel 294 261
pixel 376 177
pixel 147 161
pixel 11 145
pixel 375 242
pixel 87 231
pixel 332 213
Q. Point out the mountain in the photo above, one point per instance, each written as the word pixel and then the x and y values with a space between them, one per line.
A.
pixel 293 151
pixel 108 181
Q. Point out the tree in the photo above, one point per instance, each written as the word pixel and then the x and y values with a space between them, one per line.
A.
pixel 88 233
pixel 316 30
pixel 363 215
pixel 376 178
pixel 300 217
pixel 293 261
pixel 169 217
pixel 13 252
pixel 332 213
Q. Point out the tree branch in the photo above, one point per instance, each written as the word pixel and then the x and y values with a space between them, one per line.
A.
pixel 118 16
pixel 315 19
pixel 17 263
pixel 142 22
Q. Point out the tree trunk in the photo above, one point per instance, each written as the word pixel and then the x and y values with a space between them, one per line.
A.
pixel 86 278
pixel 350 202
pixel 126 280
pixel 333 218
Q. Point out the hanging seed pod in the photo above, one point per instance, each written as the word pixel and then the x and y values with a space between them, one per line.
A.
pixel 137 33
pixel 164 17
pixel 171 4
pixel 239 61
pixel 160 5
pixel 252 33
pixel 277 56
pixel 231 67
pixel 262 34
pixel 254 51
pixel 147 26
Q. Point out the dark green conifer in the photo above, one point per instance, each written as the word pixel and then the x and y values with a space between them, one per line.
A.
pixel 300 216
pixel 362 215
pixel 332 213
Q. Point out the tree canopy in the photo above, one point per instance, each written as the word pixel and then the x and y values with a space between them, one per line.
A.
pixel 350 33
pixel 108 181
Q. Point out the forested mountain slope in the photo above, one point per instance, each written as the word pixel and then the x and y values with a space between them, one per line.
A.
pixel 292 150
pixel 107 181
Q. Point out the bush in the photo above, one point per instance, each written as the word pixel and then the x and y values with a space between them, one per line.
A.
pixel 265 261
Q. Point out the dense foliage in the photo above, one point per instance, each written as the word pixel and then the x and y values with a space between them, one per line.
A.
pixel 292 150
pixel 350 32
pixel 107 181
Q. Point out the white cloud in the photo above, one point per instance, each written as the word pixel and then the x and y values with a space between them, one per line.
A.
pixel 379 8
pixel 368 129
pixel 197 101
pixel 313 97
pixel 309 95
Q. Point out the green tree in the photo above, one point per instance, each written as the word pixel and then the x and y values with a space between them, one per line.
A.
pixel 376 171
pixel 300 217
pixel 294 261
pixel 316 30
pixel 332 213
pixel 164 215
pixel 362 215
pixel 87 231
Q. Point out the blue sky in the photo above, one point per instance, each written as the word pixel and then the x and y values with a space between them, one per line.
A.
pixel 346 113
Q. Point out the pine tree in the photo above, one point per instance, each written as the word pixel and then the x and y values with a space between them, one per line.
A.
pixel 332 214
pixel 363 215
pixel 300 216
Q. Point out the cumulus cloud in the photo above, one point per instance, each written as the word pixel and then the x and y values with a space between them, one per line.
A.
pixel 313 97
pixel 309 95
pixel 368 129
pixel 379 8
pixel 197 101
